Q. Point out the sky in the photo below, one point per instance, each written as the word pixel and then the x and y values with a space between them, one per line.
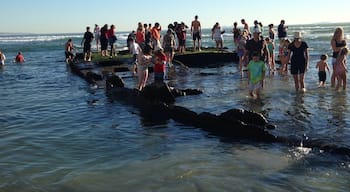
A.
pixel 72 16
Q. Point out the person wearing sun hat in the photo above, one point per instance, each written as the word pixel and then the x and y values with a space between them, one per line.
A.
pixel 299 57
pixel 256 44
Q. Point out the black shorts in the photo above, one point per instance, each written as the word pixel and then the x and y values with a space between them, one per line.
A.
pixel 68 54
pixel 322 76
pixel 297 68
pixel 196 35
pixel 182 42
pixel 87 47
pixel 168 49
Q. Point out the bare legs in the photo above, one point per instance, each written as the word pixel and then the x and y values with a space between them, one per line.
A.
pixel 199 45
pixel 142 76
pixel 299 82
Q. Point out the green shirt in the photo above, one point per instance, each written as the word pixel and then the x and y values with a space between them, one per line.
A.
pixel 256 70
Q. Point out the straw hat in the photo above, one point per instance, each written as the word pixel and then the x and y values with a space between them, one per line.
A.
pixel 297 35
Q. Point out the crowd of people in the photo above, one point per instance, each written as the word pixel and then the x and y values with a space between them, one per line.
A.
pixel 252 49
pixel 250 45
pixel 146 44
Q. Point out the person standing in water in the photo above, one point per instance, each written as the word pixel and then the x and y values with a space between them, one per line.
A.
pixel 19 58
pixel 68 51
pixel 340 68
pixel 2 58
pixel 338 42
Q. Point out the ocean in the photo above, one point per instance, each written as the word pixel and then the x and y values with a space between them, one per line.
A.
pixel 58 133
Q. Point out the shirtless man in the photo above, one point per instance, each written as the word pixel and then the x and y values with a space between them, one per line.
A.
pixel 245 26
pixel 196 33
pixel 68 50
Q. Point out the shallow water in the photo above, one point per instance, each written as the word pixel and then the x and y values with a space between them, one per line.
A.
pixel 59 134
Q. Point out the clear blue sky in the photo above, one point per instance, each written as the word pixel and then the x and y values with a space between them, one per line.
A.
pixel 65 16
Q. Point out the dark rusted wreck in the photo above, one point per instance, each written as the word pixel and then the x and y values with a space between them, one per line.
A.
pixel 206 59
pixel 156 104
pixel 234 123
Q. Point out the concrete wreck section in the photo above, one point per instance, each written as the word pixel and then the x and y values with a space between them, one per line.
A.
pixel 238 124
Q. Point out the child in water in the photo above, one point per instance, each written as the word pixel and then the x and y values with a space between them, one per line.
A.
pixel 340 68
pixel 283 54
pixel 322 66
pixel 256 75
pixel 160 66
pixel 271 47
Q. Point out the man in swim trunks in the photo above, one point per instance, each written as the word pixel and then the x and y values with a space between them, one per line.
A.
pixel 68 51
pixel 196 33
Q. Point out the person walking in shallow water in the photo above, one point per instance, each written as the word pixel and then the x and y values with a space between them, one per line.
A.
pixel 256 75
pixel 322 66
pixel 299 57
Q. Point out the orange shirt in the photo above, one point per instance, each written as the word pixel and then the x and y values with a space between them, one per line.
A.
pixel 140 36
pixel 156 33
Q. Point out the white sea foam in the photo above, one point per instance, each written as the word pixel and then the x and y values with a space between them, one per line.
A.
pixel 23 38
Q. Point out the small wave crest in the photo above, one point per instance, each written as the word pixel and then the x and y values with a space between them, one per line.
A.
pixel 25 38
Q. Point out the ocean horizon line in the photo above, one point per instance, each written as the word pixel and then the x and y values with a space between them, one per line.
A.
pixel 124 31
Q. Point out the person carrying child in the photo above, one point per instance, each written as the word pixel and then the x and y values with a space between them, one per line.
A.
pixel 256 74
pixel 340 68
pixel 322 66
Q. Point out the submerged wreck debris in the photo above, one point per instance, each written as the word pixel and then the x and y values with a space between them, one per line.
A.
pixel 158 99
pixel 156 103
pixel 206 58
